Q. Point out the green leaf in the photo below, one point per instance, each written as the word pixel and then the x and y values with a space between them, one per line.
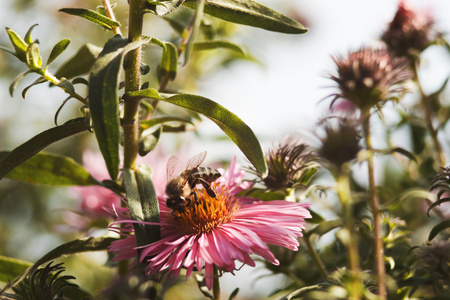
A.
pixel 28 39
pixel 316 218
pixel 162 8
pixel 92 16
pixel 36 82
pixel 80 63
pixel 438 228
pixel 325 227
pixel 104 100
pixel 51 169
pixel 161 120
pixel 212 45
pixel 57 50
pixel 169 61
pixel 73 247
pixel 16 81
pixel 11 267
pixel 149 140
pixel 142 204
pixel 230 124
pixel 19 45
pixel 200 6
pixel 247 12
pixel 39 142
pixel 67 86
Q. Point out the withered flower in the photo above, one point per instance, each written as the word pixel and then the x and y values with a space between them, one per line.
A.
pixel 369 77
pixel 410 32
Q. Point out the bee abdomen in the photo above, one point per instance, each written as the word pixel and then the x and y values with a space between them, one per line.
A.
pixel 207 174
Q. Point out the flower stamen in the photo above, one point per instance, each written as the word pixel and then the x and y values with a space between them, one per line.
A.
pixel 207 213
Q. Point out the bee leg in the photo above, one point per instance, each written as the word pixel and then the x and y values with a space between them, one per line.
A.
pixel 208 188
pixel 195 198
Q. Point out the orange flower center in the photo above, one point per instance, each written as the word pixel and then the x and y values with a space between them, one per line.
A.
pixel 208 212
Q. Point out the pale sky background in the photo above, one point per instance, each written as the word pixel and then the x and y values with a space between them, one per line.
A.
pixel 274 101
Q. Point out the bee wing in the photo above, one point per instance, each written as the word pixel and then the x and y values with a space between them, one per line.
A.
pixel 174 166
pixel 196 161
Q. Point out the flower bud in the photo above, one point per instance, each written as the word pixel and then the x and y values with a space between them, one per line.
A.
pixel 340 143
pixel 290 165
pixel 369 78
pixel 409 33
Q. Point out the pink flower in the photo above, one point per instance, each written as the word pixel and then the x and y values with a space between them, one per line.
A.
pixel 214 232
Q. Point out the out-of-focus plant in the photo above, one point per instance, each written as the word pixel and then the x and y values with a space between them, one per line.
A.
pixel 124 112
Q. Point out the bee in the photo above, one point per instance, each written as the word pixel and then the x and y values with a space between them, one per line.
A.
pixel 179 188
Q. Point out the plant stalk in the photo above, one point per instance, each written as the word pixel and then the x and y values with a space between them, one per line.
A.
pixel 315 257
pixel 110 14
pixel 424 102
pixel 216 284
pixel 343 191
pixel 374 204
pixel 130 123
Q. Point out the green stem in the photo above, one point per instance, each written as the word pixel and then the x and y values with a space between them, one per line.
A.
pixel 50 77
pixel 374 204
pixel 343 191
pixel 424 102
pixel 216 284
pixel 315 257
pixel 132 78
pixel 110 14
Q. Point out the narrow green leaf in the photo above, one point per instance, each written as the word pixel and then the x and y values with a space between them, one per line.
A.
pixel 437 203
pixel 169 61
pixel 405 152
pixel 39 142
pixel 234 294
pixel 16 81
pixel 8 50
pixel 162 8
pixel 19 44
pixel 104 100
pixel 10 268
pixel 325 227
pixel 66 85
pixel 200 6
pixel 73 247
pixel 142 204
pixel 230 124
pixel 161 120
pixel 92 16
pixel 251 13
pixel 149 140
pixel 212 45
pixel 80 63
pixel 316 218
pixel 57 50
pixel 51 169
pixel 36 82
pixel 438 228
pixel 28 39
